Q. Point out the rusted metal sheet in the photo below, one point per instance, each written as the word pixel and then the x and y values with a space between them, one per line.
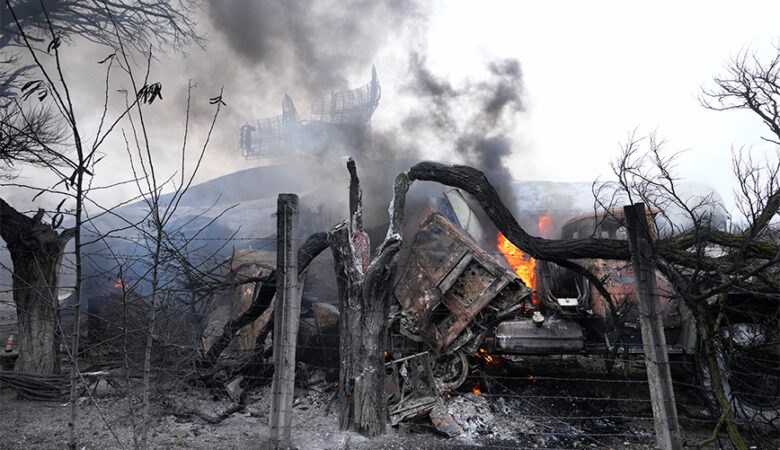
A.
pixel 618 278
pixel 448 280
pixel 444 422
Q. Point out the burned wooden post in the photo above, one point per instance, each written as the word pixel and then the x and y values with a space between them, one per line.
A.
pixel 286 313
pixel 659 378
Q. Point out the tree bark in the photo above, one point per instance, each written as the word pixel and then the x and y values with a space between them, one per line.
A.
pixel 36 252
pixel 364 309
pixel 674 250
pixel 707 328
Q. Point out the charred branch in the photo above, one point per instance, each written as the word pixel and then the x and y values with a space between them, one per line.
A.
pixel 476 183
pixel 676 250
pixel 355 193
pixel 264 293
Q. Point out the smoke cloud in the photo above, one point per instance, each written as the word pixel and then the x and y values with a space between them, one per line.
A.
pixel 318 44
pixel 476 119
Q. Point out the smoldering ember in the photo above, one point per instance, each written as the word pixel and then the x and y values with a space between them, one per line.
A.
pixel 336 234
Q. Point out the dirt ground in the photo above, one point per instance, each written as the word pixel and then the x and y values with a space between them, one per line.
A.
pixel 36 425
pixel 517 412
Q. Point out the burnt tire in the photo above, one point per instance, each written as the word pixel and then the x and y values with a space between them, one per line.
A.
pixel 450 371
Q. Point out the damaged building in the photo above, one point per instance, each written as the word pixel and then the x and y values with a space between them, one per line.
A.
pixel 338 119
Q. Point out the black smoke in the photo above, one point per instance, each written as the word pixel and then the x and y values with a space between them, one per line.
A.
pixel 319 44
pixel 477 119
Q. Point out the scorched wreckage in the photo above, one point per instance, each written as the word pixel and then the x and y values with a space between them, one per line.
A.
pixel 462 297
pixel 463 292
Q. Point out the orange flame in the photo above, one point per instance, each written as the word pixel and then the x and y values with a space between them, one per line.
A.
pixel 523 264
pixel 545 226
pixel 120 284
pixel 482 353
pixel 476 389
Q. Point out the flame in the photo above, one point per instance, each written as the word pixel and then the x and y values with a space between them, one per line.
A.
pixel 476 389
pixel 532 378
pixel 120 284
pixel 523 264
pixel 545 226
pixel 482 353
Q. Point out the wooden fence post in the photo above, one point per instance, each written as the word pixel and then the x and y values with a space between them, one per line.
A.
pixel 640 240
pixel 286 313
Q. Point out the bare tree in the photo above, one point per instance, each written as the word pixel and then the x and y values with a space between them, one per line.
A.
pixel 47 134
pixel 161 249
pixel 74 165
pixel 140 24
pixel 29 136
pixel 729 283
pixel 36 250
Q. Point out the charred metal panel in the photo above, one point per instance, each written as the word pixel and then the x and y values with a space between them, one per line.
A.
pixel 552 336
pixel 448 280
pixel 618 278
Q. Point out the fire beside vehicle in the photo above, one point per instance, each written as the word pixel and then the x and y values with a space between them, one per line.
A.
pixel 453 292
pixel 456 298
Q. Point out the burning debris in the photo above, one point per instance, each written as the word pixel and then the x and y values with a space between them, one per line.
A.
pixel 460 305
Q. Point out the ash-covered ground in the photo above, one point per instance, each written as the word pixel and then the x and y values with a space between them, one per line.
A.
pixel 538 403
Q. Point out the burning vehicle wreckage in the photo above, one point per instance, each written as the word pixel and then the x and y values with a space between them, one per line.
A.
pixel 457 302
pixel 465 296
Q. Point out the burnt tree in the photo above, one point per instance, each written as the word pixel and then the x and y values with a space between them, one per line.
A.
pixel 365 293
pixel 36 252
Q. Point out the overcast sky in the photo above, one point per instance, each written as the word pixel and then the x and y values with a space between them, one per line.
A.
pixel 596 70
pixel 590 73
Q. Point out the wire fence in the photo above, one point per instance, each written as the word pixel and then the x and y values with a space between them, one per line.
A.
pixel 570 401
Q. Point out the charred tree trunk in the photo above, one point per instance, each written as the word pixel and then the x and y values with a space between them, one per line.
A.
pixel 364 309
pixel 707 328
pixel 36 252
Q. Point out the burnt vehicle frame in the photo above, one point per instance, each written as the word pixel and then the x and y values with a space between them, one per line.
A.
pixel 457 302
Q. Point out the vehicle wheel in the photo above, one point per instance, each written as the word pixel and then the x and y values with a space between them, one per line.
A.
pixel 450 370
pixel 750 370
